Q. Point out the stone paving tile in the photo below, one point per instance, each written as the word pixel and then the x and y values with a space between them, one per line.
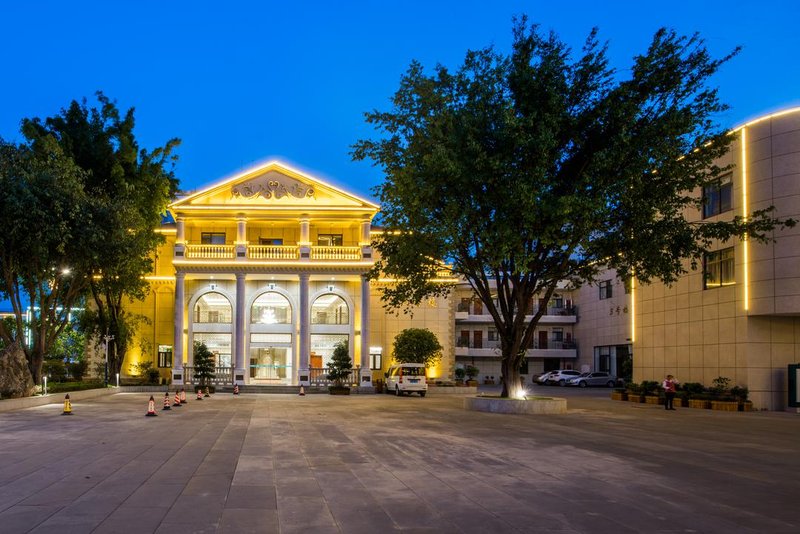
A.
pixel 300 513
pixel 129 519
pixel 21 518
pixel 196 510
pixel 248 521
pixel 252 497
pixel 154 495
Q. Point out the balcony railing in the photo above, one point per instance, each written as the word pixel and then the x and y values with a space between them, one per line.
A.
pixel 272 252
pixel 319 377
pixel 336 253
pixel 222 376
pixel 269 252
pixel 210 252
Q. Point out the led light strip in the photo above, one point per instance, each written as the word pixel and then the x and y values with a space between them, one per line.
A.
pixel 745 244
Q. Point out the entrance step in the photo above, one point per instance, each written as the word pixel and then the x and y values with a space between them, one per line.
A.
pixel 279 390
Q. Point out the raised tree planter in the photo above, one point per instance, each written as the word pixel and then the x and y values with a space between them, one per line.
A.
pixel 635 398
pixel 700 403
pixel 536 406
pixel 653 399
pixel 619 395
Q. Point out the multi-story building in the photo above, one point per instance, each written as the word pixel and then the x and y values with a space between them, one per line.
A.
pixel 739 316
pixel 267 269
pixel 554 345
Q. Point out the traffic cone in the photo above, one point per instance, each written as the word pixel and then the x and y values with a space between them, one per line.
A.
pixel 236 389
pixel 67 406
pixel 177 401
pixel 199 395
pixel 166 402
pixel 208 394
pixel 302 391
pixel 183 396
pixel 151 408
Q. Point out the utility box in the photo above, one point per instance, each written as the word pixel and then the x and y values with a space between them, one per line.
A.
pixel 794 385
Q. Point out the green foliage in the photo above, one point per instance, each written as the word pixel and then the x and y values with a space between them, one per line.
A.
pixel 472 372
pixel 63 387
pixel 203 363
pixel 720 386
pixel 417 345
pixel 650 387
pixel 54 369
pixel 692 389
pixel 141 369
pixel 340 366
pixel 46 245
pixel 77 369
pixel 460 373
pixel 129 189
pixel 526 169
pixel 634 388
pixel 740 393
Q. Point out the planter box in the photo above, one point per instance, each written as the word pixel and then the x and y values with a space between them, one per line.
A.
pixel 619 395
pixel 638 399
pixel 652 399
pixel 683 403
pixel 725 406
pixel 699 403
pixel 746 406
pixel 338 391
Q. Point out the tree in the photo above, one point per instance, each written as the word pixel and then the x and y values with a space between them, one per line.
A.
pixel 203 363
pixel 131 188
pixel 341 365
pixel 528 169
pixel 47 246
pixel 417 345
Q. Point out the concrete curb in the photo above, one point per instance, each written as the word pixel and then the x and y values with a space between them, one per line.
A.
pixel 8 405
pixel 552 405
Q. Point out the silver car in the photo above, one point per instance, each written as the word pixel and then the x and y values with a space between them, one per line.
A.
pixel 562 377
pixel 593 379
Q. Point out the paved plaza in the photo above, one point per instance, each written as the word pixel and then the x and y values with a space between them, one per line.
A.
pixel 375 464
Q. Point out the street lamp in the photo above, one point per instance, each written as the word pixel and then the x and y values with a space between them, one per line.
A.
pixel 107 338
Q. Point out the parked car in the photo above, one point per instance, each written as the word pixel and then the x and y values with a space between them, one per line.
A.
pixel 560 377
pixel 406 378
pixel 542 378
pixel 593 379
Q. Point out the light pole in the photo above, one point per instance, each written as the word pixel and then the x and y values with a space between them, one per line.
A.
pixel 107 338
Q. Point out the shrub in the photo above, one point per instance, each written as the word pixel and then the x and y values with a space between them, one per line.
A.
pixel 740 393
pixel 153 376
pixel 77 369
pixel 340 366
pixel 55 369
pixel 472 372
pixel 719 386
pixel 650 387
pixel 634 388
pixel 460 373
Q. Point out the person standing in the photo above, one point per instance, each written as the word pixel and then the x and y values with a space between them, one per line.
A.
pixel 669 386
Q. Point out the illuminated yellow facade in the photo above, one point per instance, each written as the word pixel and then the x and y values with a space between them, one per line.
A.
pixel 742 321
pixel 267 269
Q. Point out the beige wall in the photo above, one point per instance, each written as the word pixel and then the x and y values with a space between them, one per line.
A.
pixel 748 332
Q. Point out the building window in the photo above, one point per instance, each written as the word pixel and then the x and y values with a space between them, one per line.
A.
pixel 330 309
pixel 605 289
pixel 329 240
pixel 274 241
pixel 165 356
pixel 492 335
pixel 271 308
pixel 375 362
pixel 718 268
pixel 212 238
pixel 212 308
pixel 558 334
pixel 718 196
pixel 558 301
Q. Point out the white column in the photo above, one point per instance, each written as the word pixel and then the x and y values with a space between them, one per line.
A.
pixel 305 231
pixel 177 347
pixel 241 239
pixel 366 374
pixel 180 236
pixel 304 343
pixel 364 239
pixel 239 331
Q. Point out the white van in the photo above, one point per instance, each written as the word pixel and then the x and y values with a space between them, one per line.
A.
pixel 406 378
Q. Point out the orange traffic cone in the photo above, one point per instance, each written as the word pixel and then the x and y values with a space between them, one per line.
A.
pixel 208 394
pixel 183 396
pixel 177 401
pixel 166 402
pixel 67 406
pixel 236 389
pixel 199 395
pixel 151 408
pixel 302 391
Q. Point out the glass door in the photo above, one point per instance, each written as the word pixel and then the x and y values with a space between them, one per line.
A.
pixel 270 365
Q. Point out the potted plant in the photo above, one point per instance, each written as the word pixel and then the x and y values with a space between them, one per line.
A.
pixel 460 373
pixel 635 392
pixel 203 366
pixel 741 394
pixel 722 398
pixel 339 369
pixel 687 391
pixel 652 392
pixel 471 372
pixel 620 394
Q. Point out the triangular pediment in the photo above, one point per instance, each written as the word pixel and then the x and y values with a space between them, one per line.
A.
pixel 272 185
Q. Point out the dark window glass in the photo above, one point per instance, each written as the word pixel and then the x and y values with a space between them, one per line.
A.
pixel 718 197
pixel 605 289
pixel 329 240
pixel 212 238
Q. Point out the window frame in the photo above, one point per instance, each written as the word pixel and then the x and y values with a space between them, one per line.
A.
pixel 718 196
pixel 720 261
pixel 334 240
pixel 212 238
pixel 606 289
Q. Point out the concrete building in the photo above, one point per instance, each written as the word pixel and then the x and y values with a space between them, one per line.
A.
pixel 739 316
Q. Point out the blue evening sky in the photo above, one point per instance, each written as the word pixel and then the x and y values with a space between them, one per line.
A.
pixel 241 82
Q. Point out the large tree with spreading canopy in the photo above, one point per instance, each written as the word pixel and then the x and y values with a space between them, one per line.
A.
pixel 527 169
